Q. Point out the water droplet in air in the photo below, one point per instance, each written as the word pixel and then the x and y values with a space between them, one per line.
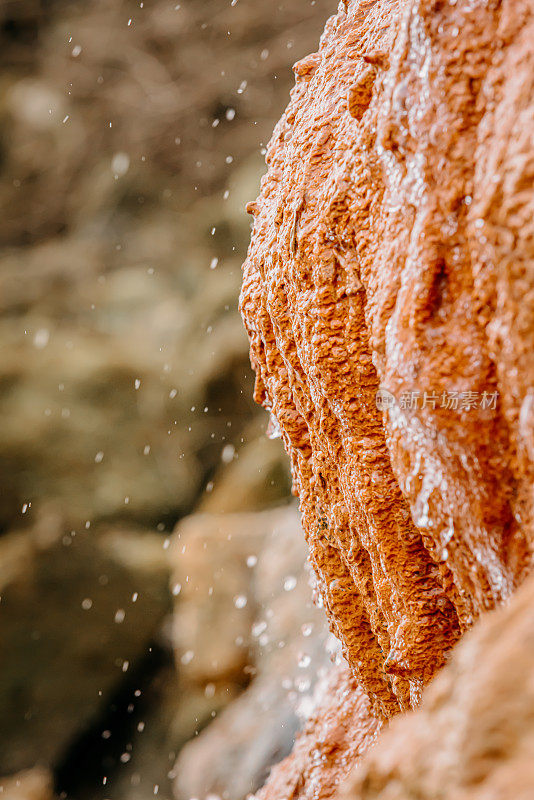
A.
pixel 289 583
pixel 228 453
pixel 120 164
pixel 258 628
pixel 41 338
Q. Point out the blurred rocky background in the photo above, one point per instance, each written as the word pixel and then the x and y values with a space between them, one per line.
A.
pixel 156 627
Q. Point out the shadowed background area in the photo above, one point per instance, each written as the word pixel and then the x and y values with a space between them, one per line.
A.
pixel 131 139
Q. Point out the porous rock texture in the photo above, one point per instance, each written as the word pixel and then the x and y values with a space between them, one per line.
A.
pixel 388 296
pixel 472 738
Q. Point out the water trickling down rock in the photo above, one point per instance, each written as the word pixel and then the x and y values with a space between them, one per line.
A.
pixel 392 254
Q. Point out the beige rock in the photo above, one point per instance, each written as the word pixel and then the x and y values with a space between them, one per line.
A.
pixel 258 623
pixel 251 478
pixel 227 575
pixel 32 784
pixel 232 757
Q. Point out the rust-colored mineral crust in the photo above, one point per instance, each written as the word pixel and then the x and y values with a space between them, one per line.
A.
pixel 473 736
pixel 393 252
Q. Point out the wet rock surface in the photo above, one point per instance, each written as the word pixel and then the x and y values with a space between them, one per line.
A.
pixel 392 241
pixel 473 736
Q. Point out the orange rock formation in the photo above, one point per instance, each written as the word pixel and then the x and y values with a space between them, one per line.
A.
pixel 388 296
pixel 472 738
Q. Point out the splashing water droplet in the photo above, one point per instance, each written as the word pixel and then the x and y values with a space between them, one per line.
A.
pixel 273 428
pixel 289 583
pixel 304 660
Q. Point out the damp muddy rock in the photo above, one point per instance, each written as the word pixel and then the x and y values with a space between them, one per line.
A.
pixel 77 613
pixel 471 737
pixel 338 730
pixel 387 297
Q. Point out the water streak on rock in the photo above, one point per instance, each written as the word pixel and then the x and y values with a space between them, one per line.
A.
pixel 392 247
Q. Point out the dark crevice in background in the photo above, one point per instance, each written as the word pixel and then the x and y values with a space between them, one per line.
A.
pixel 97 751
